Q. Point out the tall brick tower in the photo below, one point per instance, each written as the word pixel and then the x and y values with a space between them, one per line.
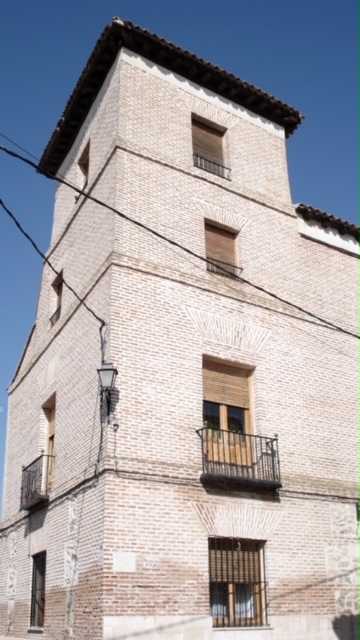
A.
pixel 211 494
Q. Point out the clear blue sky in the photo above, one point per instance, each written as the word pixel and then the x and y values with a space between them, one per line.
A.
pixel 305 53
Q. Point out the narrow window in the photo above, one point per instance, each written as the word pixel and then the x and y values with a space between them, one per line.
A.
pixel 56 299
pixel 237 586
pixel 37 610
pixel 208 149
pixel 84 163
pixel 220 251
pixel 49 409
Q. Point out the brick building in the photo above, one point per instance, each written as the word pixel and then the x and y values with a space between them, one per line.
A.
pixel 215 497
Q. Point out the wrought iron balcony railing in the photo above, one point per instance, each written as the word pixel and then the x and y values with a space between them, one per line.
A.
pixel 36 482
pixel 241 458
pixel 222 268
pixel 212 167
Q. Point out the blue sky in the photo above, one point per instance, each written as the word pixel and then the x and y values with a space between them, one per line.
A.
pixel 304 53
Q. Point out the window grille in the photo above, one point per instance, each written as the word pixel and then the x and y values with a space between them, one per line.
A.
pixel 237 586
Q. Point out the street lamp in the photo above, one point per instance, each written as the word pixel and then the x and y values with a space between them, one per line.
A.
pixel 107 374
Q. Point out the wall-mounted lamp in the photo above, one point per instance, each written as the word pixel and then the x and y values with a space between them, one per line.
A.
pixel 107 374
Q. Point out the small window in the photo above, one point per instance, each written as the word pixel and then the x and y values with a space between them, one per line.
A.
pixel 220 251
pixel 49 410
pixel 208 149
pixel 37 610
pixel 237 586
pixel 83 164
pixel 57 293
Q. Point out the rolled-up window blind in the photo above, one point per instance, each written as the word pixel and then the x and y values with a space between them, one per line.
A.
pixel 226 384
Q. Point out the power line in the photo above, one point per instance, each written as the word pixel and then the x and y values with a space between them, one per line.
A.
pixel 58 273
pixel 18 146
pixel 157 234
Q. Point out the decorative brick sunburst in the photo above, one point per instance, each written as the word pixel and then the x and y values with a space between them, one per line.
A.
pixel 238 521
pixel 223 216
pixel 209 111
pixel 227 331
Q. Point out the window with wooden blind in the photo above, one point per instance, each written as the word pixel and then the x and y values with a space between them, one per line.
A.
pixel 37 608
pixel 226 417
pixel 237 582
pixel 208 151
pixel 220 251
pixel 226 397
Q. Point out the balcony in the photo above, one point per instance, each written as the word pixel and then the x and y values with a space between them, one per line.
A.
pixel 212 167
pixel 222 268
pixel 239 459
pixel 36 482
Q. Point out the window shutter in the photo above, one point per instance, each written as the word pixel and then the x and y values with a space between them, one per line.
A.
pixel 207 142
pixel 234 561
pixel 225 384
pixel 220 244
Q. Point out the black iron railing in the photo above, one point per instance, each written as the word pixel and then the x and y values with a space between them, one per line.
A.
pixel 222 268
pixel 55 317
pixel 36 482
pixel 244 458
pixel 212 167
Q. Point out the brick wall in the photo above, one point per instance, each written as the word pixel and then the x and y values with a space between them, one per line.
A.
pixel 127 525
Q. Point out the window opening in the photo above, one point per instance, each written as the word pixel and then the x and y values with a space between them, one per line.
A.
pixel 208 152
pixel 237 586
pixel 84 163
pixel 57 287
pixel 226 418
pixel 220 251
pixel 37 610
pixel 50 412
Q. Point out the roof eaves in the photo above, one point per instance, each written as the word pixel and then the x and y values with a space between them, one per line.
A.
pixel 328 220
pixel 123 33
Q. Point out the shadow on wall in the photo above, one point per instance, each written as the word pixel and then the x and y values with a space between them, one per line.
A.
pixel 346 627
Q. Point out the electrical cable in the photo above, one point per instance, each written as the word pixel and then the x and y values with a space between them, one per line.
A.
pixel 58 273
pixel 326 323
pixel 18 146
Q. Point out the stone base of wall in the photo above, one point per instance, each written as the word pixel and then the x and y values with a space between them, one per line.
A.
pixel 200 628
pixel 158 628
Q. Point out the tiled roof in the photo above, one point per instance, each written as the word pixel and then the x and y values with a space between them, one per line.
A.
pixel 328 220
pixel 125 34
